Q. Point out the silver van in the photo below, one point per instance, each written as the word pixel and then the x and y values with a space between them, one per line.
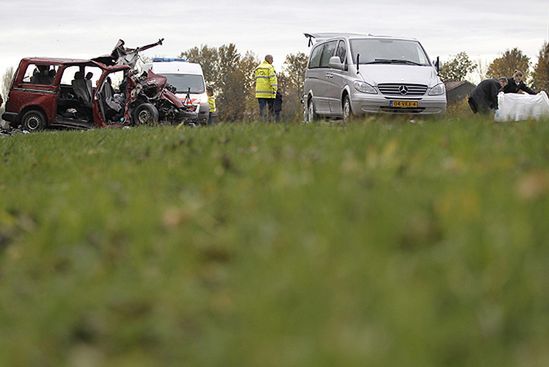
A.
pixel 352 75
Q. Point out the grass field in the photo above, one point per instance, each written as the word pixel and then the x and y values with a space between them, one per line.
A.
pixel 378 243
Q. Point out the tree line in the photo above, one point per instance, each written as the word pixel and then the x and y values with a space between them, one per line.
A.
pixel 231 74
pixel 461 65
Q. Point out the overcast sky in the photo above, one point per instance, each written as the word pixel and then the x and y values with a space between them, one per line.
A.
pixel 84 29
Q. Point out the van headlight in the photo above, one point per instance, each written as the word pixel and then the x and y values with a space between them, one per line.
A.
pixel 438 90
pixel 364 87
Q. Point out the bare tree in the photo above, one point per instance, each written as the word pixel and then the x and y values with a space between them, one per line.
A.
pixel 7 77
pixel 482 69
pixel 291 85
pixel 5 84
pixel 247 65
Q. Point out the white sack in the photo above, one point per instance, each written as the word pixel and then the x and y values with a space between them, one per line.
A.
pixel 520 107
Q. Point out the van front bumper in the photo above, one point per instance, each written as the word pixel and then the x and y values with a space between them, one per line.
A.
pixel 362 103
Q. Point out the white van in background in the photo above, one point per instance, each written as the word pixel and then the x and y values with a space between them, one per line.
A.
pixel 185 77
pixel 352 75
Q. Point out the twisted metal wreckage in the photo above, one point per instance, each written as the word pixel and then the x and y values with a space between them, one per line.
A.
pixel 39 99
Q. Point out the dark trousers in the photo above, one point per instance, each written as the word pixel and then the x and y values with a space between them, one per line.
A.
pixel 476 107
pixel 277 115
pixel 212 118
pixel 473 105
pixel 266 108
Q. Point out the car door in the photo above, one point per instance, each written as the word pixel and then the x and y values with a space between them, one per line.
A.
pixel 339 80
pixel 326 76
pixel 34 88
pixel 108 109
pixel 313 75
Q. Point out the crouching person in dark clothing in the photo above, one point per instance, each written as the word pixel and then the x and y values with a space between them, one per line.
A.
pixel 277 107
pixel 484 97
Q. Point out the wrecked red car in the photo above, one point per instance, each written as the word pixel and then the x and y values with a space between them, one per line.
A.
pixel 108 91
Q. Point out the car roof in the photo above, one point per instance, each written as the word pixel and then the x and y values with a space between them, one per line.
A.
pixel 61 61
pixel 55 61
pixel 371 36
pixel 177 67
pixel 324 37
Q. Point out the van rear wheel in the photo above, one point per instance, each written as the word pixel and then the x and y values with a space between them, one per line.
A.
pixel 33 121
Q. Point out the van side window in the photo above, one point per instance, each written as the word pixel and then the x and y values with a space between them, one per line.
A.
pixel 327 53
pixel 341 51
pixel 422 56
pixel 315 57
pixel 40 74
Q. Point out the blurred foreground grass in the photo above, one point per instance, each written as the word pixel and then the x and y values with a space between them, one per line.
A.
pixel 380 243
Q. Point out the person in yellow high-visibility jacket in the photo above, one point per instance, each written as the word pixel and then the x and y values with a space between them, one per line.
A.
pixel 266 86
pixel 212 117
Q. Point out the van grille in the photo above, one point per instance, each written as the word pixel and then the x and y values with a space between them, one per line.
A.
pixel 403 90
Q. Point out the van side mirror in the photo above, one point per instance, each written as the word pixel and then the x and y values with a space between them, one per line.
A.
pixel 437 64
pixel 335 63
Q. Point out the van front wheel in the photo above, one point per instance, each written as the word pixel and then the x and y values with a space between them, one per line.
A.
pixel 145 114
pixel 347 109
pixel 310 113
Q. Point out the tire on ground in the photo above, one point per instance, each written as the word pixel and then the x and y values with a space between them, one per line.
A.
pixel 310 114
pixel 33 120
pixel 145 114
pixel 347 108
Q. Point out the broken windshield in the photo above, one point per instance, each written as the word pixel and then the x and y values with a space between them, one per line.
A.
pixel 182 82
pixel 389 51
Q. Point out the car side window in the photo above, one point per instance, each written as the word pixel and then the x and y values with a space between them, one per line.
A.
pixel 327 53
pixel 40 74
pixel 314 62
pixel 69 75
pixel 341 51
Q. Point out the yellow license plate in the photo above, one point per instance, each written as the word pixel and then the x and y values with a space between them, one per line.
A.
pixel 404 104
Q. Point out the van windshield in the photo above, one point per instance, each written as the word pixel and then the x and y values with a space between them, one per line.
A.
pixel 182 82
pixel 388 51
